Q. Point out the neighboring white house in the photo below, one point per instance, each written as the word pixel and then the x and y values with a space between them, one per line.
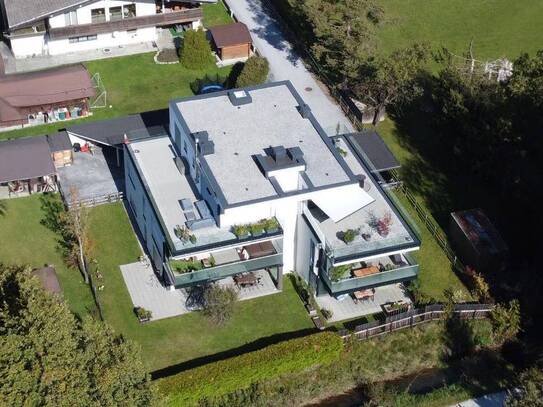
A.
pixel 256 159
pixel 55 27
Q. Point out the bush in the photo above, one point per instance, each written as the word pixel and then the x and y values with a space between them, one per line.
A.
pixel 349 235
pixel 240 372
pixel 219 303
pixel 505 321
pixel 196 51
pixel 186 266
pixel 254 72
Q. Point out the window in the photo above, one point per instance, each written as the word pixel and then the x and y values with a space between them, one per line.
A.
pixel 70 18
pixel 82 39
pixel 98 15
pixel 115 13
pixel 129 11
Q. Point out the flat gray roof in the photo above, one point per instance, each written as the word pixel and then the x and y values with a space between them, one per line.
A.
pixel 155 159
pixel 240 132
pixel 370 143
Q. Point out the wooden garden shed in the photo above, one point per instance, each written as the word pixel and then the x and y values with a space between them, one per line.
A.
pixel 231 41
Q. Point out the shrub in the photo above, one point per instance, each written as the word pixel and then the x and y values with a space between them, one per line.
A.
pixel 185 266
pixel 219 303
pixel 196 51
pixel 143 314
pixel 254 72
pixel 240 230
pixel 240 372
pixel 505 321
pixel 339 272
pixel 349 235
pixel 326 313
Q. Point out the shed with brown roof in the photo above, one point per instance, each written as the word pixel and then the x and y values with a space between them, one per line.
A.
pixel 231 41
pixel 46 92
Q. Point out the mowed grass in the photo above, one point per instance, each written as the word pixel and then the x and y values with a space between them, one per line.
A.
pixel 134 84
pixel 175 340
pixel 25 241
pixel 216 14
pixel 498 28
pixel 436 273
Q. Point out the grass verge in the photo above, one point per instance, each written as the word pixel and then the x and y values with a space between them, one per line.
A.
pixel 176 340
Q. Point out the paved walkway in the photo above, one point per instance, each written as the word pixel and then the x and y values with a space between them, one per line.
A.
pixel 146 291
pixel 286 64
pixel 346 308
pixel 13 65
pixel 490 400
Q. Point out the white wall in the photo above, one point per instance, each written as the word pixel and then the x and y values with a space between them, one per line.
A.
pixel 103 41
pixel 143 8
pixel 28 46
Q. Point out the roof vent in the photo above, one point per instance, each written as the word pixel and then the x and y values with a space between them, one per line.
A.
pixel 239 97
pixel 295 153
pixel 207 147
pixel 304 110
pixel 278 153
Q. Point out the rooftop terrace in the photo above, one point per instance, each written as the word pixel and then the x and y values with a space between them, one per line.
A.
pixel 240 131
pixel 378 226
pixel 168 187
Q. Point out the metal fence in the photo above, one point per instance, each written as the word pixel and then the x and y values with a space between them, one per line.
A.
pixel 415 317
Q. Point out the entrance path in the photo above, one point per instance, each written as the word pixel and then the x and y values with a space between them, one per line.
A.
pixel 286 64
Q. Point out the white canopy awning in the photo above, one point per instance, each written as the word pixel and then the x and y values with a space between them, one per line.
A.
pixel 342 202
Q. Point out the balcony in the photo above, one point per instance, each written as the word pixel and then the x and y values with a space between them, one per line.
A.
pixel 104 27
pixel 357 277
pixel 227 263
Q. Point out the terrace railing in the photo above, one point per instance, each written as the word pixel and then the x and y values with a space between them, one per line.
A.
pixel 416 317
pixel 227 270
pixel 404 273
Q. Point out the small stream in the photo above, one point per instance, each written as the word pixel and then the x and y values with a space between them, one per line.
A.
pixel 419 383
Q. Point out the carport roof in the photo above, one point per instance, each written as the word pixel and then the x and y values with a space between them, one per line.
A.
pixel 111 132
pixel 59 141
pixel 25 158
pixel 370 144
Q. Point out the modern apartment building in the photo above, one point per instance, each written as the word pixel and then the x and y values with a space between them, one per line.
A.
pixel 247 180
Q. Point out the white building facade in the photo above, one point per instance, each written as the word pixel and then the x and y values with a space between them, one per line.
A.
pixel 88 25
pixel 247 180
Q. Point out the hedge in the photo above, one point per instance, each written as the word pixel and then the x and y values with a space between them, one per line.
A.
pixel 225 376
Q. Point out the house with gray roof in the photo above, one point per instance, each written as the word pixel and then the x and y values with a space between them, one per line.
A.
pixel 247 183
pixel 52 27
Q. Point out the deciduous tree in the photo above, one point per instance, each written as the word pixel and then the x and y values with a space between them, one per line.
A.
pixel 47 357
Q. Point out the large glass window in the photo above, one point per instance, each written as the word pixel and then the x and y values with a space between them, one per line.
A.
pixel 129 11
pixel 115 13
pixel 98 15
pixel 71 18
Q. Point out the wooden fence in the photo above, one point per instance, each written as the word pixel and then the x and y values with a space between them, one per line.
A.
pixel 415 317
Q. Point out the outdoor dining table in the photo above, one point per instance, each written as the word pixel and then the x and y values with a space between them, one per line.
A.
pixel 246 279
pixel 365 271
pixel 364 294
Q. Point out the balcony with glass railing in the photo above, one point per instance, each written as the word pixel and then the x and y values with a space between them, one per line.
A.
pixel 226 263
pixel 360 275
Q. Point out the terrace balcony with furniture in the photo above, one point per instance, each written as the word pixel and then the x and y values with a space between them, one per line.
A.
pixel 237 262
pixel 357 277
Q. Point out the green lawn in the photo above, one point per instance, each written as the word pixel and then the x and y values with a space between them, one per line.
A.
pixel 216 14
pixel 134 84
pixel 436 273
pixel 498 27
pixel 171 341
pixel 24 240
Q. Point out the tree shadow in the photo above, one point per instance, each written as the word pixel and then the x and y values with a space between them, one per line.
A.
pixel 458 338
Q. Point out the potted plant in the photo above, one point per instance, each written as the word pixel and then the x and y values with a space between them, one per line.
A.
pixel 241 231
pixel 257 229
pixel 383 224
pixel 326 313
pixel 339 272
pixel 349 235
pixel 184 234
pixel 143 314
pixel 271 225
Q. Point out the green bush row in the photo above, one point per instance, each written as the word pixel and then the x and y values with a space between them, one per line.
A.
pixel 225 376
